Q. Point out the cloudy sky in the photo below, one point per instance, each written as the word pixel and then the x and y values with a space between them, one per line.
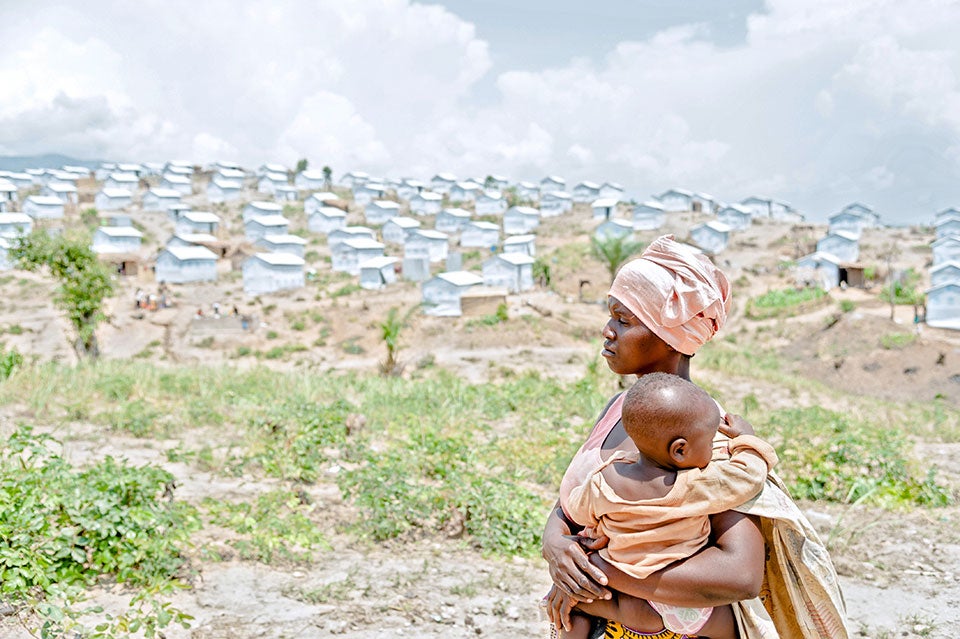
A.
pixel 817 102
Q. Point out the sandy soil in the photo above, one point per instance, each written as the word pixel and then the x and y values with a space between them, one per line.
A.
pixel 900 571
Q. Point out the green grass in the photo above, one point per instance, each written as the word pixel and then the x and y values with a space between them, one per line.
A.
pixel 785 302
pixel 420 457
pixel 896 341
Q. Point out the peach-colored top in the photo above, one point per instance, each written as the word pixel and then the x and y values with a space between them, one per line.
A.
pixel 588 458
pixel 647 534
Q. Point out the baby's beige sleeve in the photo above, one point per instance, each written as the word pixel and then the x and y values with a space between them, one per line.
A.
pixel 727 483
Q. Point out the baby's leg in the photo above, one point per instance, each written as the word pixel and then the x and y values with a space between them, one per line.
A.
pixel 721 625
pixel 579 627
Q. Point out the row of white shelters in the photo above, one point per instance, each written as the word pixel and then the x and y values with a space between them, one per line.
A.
pixel 347 255
pixel 378 212
pixel 512 271
pixel 310 180
pixel 452 220
pixel 711 236
pixel 397 229
pixel 122 180
pixel 947 223
pixel 378 272
pixel 63 191
pixel 116 239
pixel 946 249
pixel 426 203
pixel 943 305
pixel 429 244
pixel 8 194
pixel 259 225
pixel 160 199
pixel 221 189
pixel 765 207
pixel 842 244
pixel 283 243
pixel 853 219
pixel 943 296
pixel 197 222
pixel 736 216
pixel 554 203
pixel 326 219
pixel 112 199
pixel 519 220
pixel 265 273
pixel 648 216
pixel 42 207
pixel 318 200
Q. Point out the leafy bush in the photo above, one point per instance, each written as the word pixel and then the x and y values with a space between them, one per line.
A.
pixel 785 302
pixel 826 455
pixel 63 529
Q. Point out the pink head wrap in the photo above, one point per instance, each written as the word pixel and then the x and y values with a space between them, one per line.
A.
pixel 677 293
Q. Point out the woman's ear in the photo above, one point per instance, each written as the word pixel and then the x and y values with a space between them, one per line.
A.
pixel 678 450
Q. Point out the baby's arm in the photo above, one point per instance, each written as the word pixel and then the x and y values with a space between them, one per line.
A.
pixel 728 483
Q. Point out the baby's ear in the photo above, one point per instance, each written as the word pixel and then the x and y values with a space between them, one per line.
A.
pixel 678 450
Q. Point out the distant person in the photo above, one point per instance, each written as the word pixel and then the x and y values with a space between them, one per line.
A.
pixel 654 505
pixel 235 312
pixel 199 314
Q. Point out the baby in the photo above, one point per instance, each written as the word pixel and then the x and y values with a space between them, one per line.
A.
pixel 654 505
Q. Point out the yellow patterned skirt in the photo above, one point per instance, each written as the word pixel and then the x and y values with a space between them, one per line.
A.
pixel 614 630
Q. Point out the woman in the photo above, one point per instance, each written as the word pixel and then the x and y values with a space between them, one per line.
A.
pixel 663 306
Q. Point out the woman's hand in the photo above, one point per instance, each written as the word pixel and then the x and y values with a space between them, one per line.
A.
pixel 568 563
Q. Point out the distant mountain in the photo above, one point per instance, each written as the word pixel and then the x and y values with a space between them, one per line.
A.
pixel 47 161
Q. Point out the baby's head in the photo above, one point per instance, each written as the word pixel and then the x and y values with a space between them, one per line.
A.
pixel 671 420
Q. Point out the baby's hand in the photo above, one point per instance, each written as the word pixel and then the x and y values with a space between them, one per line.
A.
pixel 590 540
pixel 734 425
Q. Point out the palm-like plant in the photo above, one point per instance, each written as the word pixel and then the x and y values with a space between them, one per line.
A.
pixel 613 251
pixel 390 329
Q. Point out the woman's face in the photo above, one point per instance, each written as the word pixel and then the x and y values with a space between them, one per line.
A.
pixel 631 348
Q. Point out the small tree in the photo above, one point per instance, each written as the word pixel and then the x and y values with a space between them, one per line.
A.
pixel 390 329
pixel 613 251
pixel 327 176
pixel 302 165
pixel 83 280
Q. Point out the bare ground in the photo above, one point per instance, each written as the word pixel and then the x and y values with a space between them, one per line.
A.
pixel 900 570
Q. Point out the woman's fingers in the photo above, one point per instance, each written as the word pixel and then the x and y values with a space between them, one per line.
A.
pixel 576 576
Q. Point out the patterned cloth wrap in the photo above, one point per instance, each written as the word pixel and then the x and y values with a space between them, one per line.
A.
pixel 613 630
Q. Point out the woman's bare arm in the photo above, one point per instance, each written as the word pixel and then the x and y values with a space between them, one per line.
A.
pixel 729 569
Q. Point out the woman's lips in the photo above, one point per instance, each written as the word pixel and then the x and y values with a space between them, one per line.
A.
pixel 607 351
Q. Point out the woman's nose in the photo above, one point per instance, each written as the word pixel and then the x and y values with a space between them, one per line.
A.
pixel 608 331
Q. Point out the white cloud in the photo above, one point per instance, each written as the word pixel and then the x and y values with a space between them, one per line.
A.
pixel 330 122
pixel 822 102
